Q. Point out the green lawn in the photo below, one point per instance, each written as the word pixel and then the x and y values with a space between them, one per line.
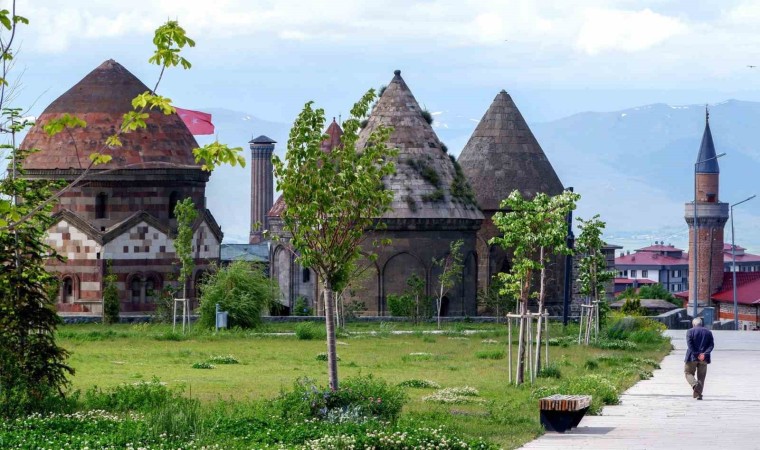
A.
pixel 106 356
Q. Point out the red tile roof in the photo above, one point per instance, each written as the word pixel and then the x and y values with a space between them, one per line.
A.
pixel 659 248
pixel 277 208
pixel 747 288
pixel 646 258
pixel 101 98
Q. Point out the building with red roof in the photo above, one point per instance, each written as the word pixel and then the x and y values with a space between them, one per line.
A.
pixel 120 217
pixel 747 298
pixel 669 265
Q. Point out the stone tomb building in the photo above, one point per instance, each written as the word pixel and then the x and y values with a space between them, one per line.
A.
pixel 501 156
pixel 123 212
pixel 436 202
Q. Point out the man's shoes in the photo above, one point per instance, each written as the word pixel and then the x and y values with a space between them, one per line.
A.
pixel 700 397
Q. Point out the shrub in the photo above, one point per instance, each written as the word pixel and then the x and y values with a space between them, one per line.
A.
pixel 454 395
pixel 242 289
pixel 591 364
pixel 228 359
pixel 420 384
pixel 111 305
pixel 142 396
pixel 372 397
pixel 550 371
pixel 632 307
pixel 623 327
pixel 615 344
pixel 323 357
pixel 164 312
pixel 308 331
pixel 490 354
pixel 400 305
pixel 564 341
pixel 426 116
pixel 203 365
pixel 433 197
pixel 301 307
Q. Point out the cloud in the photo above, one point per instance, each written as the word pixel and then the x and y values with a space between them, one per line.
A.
pixel 628 31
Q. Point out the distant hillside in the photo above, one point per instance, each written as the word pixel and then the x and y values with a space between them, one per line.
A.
pixel 634 167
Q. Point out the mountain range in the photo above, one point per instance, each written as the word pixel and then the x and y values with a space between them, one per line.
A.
pixel 634 167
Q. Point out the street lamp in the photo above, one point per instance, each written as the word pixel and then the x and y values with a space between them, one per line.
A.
pixel 733 262
pixel 696 229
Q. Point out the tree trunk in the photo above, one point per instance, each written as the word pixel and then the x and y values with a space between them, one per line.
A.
pixel 332 356
pixel 520 378
pixel 541 300
pixel 440 302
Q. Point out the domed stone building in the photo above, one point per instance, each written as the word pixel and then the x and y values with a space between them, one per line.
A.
pixel 501 156
pixel 432 207
pixel 122 213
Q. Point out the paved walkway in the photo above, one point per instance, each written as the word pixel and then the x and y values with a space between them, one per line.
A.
pixel 660 413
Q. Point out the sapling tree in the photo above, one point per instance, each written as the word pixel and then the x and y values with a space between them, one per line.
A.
pixel 533 230
pixel 451 272
pixel 592 264
pixel 186 213
pixel 333 200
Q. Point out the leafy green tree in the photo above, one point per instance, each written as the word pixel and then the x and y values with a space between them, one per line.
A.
pixel 111 304
pixel 592 264
pixel 186 213
pixel 494 301
pixel 333 199
pixel 632 307
pixel 451 271
pixel 242 289
pixel 657 291
pixel 532 230
pixel 32 367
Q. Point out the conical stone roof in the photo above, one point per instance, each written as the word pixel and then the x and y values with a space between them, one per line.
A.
pixel 503 155
pixel 707 162
pixel 334 132
pixel 101 98
pixel 422 184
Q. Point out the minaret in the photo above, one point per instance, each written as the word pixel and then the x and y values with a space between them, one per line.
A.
pixel 711 216
pixel 262 185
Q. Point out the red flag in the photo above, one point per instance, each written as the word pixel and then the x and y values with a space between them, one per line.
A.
pixel 197 122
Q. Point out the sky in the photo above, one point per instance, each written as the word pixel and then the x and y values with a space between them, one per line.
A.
pixel 267 58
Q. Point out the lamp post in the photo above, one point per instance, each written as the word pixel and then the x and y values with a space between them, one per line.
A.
pixel 733 262
pixel 696 229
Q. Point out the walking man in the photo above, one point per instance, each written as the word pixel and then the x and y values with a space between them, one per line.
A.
pixel 699 343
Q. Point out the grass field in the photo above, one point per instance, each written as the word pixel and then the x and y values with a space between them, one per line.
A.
pixel 506 415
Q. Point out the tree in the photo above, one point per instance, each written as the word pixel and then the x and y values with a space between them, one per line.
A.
pixel 592 264
pixel 493 300
pixel 242 289
pixel 32 366
pixel 451 271
pixel 111 303
pixel 333 200
pixel 533 230
pixel 186 214
pixel 657 291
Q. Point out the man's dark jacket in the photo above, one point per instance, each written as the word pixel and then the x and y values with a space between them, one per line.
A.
pixel 698 340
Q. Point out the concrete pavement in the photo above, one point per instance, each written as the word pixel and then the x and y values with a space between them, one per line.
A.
pixel 660 413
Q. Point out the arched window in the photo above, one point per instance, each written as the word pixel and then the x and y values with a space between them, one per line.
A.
pixel 135 289
pixel 101 204
pixel 173 200
pixel 68 290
